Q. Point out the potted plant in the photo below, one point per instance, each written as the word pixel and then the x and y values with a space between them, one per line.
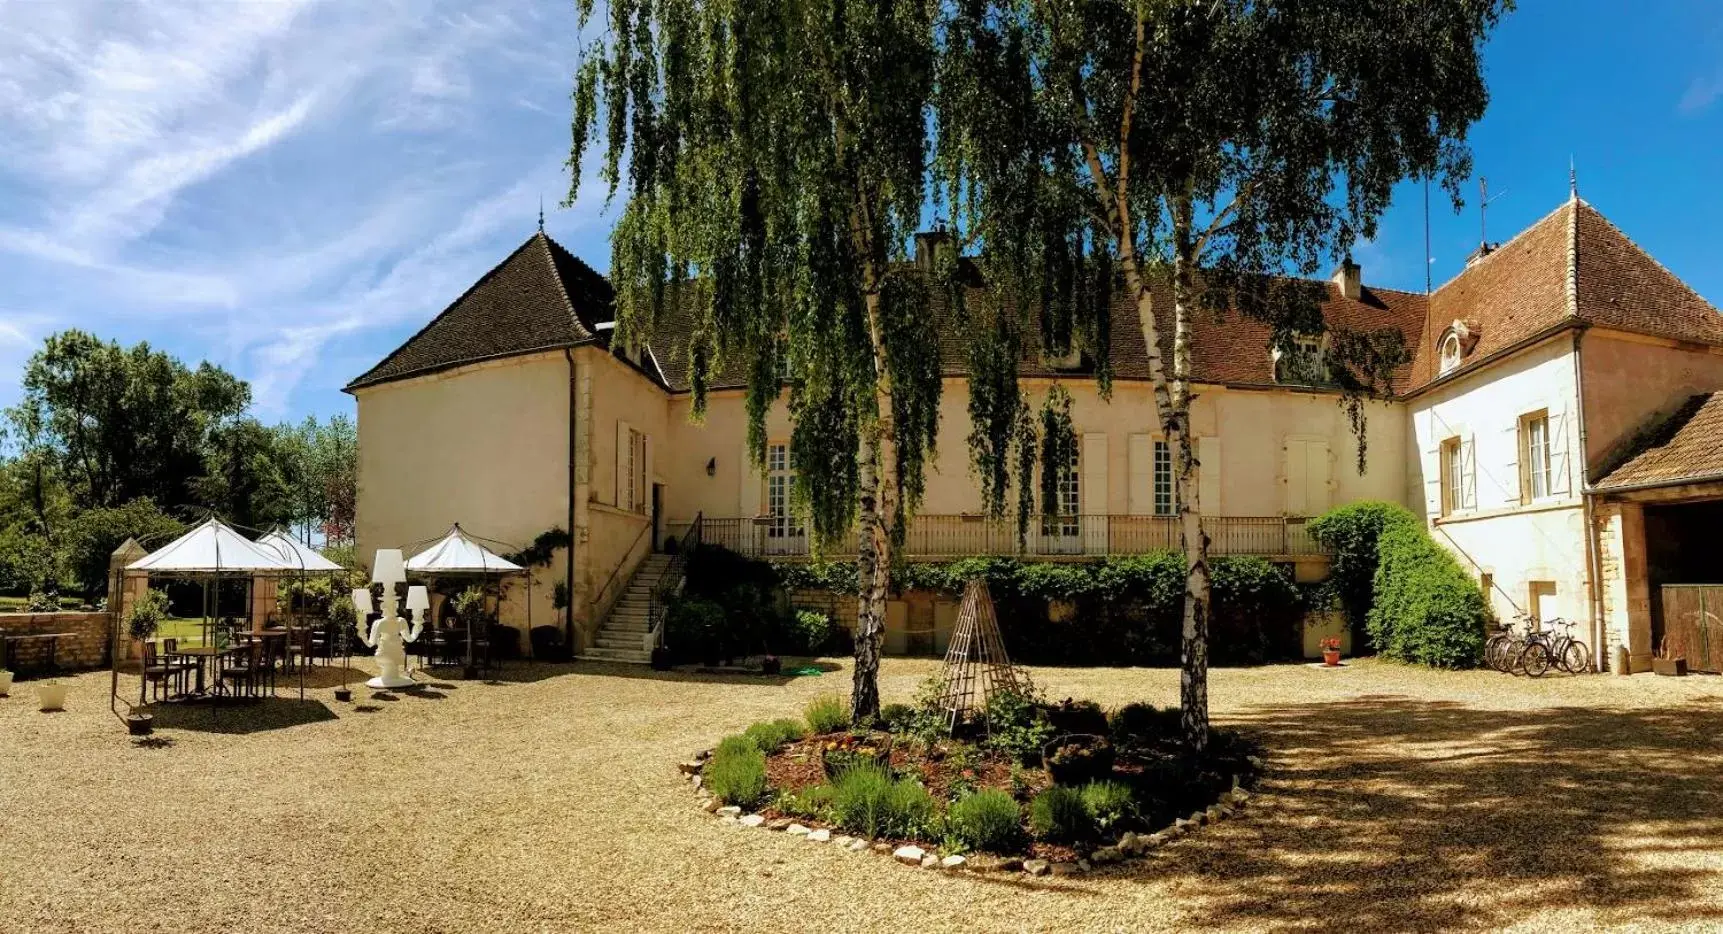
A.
pixel 140 722
pixel 147 614
pixel 51 694
pixel 1671 659
pixel 5 682
pixel 1331 652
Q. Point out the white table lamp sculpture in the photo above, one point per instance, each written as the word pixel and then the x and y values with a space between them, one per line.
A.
pixel 390 634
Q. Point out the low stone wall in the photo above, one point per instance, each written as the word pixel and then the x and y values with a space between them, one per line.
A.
pixel 85 647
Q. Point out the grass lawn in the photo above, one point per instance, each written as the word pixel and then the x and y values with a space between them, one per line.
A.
pixel 1397 799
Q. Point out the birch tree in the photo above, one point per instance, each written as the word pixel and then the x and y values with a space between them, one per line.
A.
pixel 1203 147
pixel 773 155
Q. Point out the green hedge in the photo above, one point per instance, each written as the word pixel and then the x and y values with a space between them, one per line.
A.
pixel 1419 604
pixel 1128 608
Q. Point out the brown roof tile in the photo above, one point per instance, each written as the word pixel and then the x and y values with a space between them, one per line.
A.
pixel 1685 446
pixel 539 297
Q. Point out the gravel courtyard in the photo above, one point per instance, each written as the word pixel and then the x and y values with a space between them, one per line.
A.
pixel 549 801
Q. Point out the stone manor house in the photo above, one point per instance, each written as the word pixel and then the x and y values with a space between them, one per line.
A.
pixel 1560 424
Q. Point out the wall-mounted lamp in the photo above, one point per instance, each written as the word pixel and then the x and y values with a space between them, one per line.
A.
pixel 712 467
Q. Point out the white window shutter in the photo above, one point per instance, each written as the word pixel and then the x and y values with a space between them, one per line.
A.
pixel 1092 493
pixel 621 471
pixel 1432 460
pixel 1208 454
pixel 1140 454
pixel 1316 476
pixel 1511 479
pixel 1469 474
pixel 1297 478
pixel 1561 480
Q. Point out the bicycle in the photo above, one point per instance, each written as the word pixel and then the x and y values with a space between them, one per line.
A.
pixel 1545 650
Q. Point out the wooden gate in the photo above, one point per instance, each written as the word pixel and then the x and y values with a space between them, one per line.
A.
pixel 1693 620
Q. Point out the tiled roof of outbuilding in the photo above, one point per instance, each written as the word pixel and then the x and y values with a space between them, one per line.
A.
pixel 1685 446
pixel 540 297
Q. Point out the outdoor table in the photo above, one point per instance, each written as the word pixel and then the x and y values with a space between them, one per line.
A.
pixel 196 655
pixel 52 664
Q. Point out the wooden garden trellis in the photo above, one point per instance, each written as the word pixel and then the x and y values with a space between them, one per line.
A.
pixel 976 666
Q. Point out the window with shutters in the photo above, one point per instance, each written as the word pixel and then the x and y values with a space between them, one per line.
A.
pixel 1068 494
pixel 780 487
pixel 634 470
pixel 1535 473
pixel 1165 496
pixel 1453 476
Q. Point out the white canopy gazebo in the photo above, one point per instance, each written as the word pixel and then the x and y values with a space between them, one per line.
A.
pixel 211 551
pixel 303 557
pixel 460 554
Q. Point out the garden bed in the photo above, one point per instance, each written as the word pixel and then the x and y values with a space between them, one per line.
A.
pixel 1047 787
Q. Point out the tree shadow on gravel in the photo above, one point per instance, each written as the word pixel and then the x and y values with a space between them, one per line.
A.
pixel 250 717
pixel 1393 813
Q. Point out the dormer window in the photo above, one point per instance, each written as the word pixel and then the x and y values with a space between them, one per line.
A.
pixel 1071 360
pixel 1449 352
pixel 1305 364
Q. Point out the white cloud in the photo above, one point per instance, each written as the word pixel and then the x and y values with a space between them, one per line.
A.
pixel 282 187
pixel 1701 93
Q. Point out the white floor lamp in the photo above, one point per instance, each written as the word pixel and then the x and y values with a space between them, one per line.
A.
pixel 390 634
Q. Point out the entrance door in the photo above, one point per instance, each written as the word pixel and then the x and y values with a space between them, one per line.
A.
pixel 1693 624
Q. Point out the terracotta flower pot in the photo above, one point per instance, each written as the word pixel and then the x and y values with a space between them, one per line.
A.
pixel 5 682
pixel 1331 658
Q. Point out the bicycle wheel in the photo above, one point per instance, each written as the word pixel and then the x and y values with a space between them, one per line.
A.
pixel 1512 653
pixel 1575 657
pixel 1535 659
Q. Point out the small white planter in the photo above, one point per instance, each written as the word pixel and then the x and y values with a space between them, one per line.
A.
pixel 52 696
pixel 5 682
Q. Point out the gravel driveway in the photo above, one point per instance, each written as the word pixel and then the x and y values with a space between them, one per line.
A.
pixel 1399 800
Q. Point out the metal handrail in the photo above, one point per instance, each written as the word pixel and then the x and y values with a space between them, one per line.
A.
pixel 669 583
pixel 598 600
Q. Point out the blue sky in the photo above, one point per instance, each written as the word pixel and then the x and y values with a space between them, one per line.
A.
pixel 290 188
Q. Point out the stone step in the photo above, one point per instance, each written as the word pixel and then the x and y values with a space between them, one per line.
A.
pixel 636 643
pixel 623 626
pixel 617 655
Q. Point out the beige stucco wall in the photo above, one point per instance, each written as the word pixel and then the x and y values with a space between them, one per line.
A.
pixel 1632 380
pixel 1253 427
pixel 483 445
pixel 1492 532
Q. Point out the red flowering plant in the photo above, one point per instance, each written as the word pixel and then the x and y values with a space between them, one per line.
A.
pixel 1331 644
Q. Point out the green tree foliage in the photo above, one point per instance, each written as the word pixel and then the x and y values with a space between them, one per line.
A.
pixel 1351 532
pixel 320 466
pixel 246 479
pixel 774 155
pixel 1207 145
pixel 125 422
pixel 93 534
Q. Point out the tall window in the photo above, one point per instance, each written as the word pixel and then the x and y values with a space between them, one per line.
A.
pixel 1534 456
pixel 1164 497
pixel 1068 494
pixel 1453 475
pixel 780 486
pixel 635 462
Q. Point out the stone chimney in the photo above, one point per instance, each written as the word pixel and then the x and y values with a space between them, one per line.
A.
pixel 1349 278
pixel 929 244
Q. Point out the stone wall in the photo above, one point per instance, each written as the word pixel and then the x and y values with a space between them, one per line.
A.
pixel 86 647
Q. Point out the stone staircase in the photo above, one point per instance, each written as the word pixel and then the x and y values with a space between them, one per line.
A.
pixel 622 637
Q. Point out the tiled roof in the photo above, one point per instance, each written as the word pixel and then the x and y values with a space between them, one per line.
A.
pixel 1686 446
pixel 540 297
pixel 1228 348
pixel 1571 267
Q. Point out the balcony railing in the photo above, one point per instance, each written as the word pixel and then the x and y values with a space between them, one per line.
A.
pixel 948 536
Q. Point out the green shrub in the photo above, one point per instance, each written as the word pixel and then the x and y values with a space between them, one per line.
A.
pixel 806 632
pixel 736 773
pixel 773 735
pixel 147 614
pixel 1427 609
pixel 865 799
pixel 1059 815
pixel 1017 726
pixel 1258 610
pixel 693 627
pixel 813 802
pixel 911 810
pixel 1109 802
pixel 827 714
pixel 1352 532
pixel 1075 716
pixel 897 718
pixel 988 820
